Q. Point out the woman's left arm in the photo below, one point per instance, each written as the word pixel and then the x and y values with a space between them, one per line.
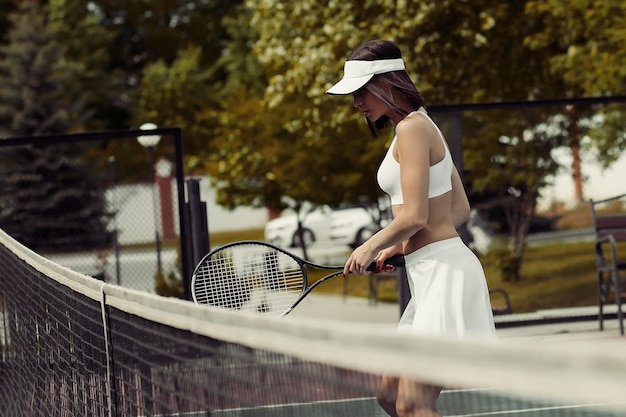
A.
pixel 413 152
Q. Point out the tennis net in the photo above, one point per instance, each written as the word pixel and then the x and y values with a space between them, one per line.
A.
pixel 75 346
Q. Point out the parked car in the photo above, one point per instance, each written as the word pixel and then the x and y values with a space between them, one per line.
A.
pixel 352 226
pixel 283 231
pixel 341 226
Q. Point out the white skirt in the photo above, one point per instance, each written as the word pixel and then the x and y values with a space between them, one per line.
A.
pixel 449 295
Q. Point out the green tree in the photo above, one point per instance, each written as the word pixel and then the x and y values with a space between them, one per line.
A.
pixel 585 43
pixel 242 160
pixel 585 40
pixel 48 201
pixel 6 8
pixel 149 31
pixel 180 94
pixel 265 147
pixel 162 61
pixel 510 162
pixel 152 32
pixel 87 44
pixel 34 68
pixel 456 52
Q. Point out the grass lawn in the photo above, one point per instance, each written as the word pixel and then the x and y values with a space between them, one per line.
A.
pixel 553 276
pixel 556 275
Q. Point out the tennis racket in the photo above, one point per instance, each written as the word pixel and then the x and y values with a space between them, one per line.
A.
pixel 258 277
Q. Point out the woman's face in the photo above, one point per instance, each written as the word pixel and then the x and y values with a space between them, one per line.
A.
pixel 370 105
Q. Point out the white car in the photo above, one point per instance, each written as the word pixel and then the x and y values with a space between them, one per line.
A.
pixel 343 226
pixel 352 226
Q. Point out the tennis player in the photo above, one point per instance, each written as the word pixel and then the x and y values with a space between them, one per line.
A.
pixel 449 294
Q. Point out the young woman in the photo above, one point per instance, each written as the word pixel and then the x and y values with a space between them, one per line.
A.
pixel 449 295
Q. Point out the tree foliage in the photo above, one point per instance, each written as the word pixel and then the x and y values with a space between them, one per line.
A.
pixel 49 202
pixel 584 42
pixel 282 141
pixel 449 52
pixel 457 52
pixel 246 81
pixel 150 32
pixel 179 94
pixel 86 44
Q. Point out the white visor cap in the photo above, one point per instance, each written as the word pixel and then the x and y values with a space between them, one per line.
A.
pixel 357 73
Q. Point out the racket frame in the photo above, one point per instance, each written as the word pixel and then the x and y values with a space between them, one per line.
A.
pixel 396 261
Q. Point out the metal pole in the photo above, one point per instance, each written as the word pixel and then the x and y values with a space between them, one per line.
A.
pixel 157 237
pixel 198 221
pixel 183 216
pixel 116 243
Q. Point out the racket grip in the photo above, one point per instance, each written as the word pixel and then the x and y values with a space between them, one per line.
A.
pixel 396 261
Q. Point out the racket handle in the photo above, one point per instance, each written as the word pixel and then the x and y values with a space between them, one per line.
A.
pixel 395 260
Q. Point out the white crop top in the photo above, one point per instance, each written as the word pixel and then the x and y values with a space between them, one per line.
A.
pixel 440 174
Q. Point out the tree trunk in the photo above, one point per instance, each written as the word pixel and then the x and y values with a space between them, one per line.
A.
pixel 574 139
pixel 519 213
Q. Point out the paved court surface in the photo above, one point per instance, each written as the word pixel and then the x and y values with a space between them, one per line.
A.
pixel 546 325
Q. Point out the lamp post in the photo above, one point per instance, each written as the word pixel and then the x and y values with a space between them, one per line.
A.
pixel 149 142
pixel 164 170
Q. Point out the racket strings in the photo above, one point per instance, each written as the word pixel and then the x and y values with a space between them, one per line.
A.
pixel 250 279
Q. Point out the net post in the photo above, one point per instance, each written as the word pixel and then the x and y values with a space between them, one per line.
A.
pixel 199 228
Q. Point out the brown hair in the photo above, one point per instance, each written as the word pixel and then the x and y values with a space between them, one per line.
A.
pixel 390 85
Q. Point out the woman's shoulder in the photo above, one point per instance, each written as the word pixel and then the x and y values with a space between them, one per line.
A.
pixel 416 124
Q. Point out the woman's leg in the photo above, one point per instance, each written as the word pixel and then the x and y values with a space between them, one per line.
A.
pixel 415 399
pixel 387 393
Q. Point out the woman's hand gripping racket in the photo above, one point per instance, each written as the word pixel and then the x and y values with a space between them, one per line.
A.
pixel 258 277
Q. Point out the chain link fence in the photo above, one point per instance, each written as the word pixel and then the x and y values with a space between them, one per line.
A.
pixel 104 204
